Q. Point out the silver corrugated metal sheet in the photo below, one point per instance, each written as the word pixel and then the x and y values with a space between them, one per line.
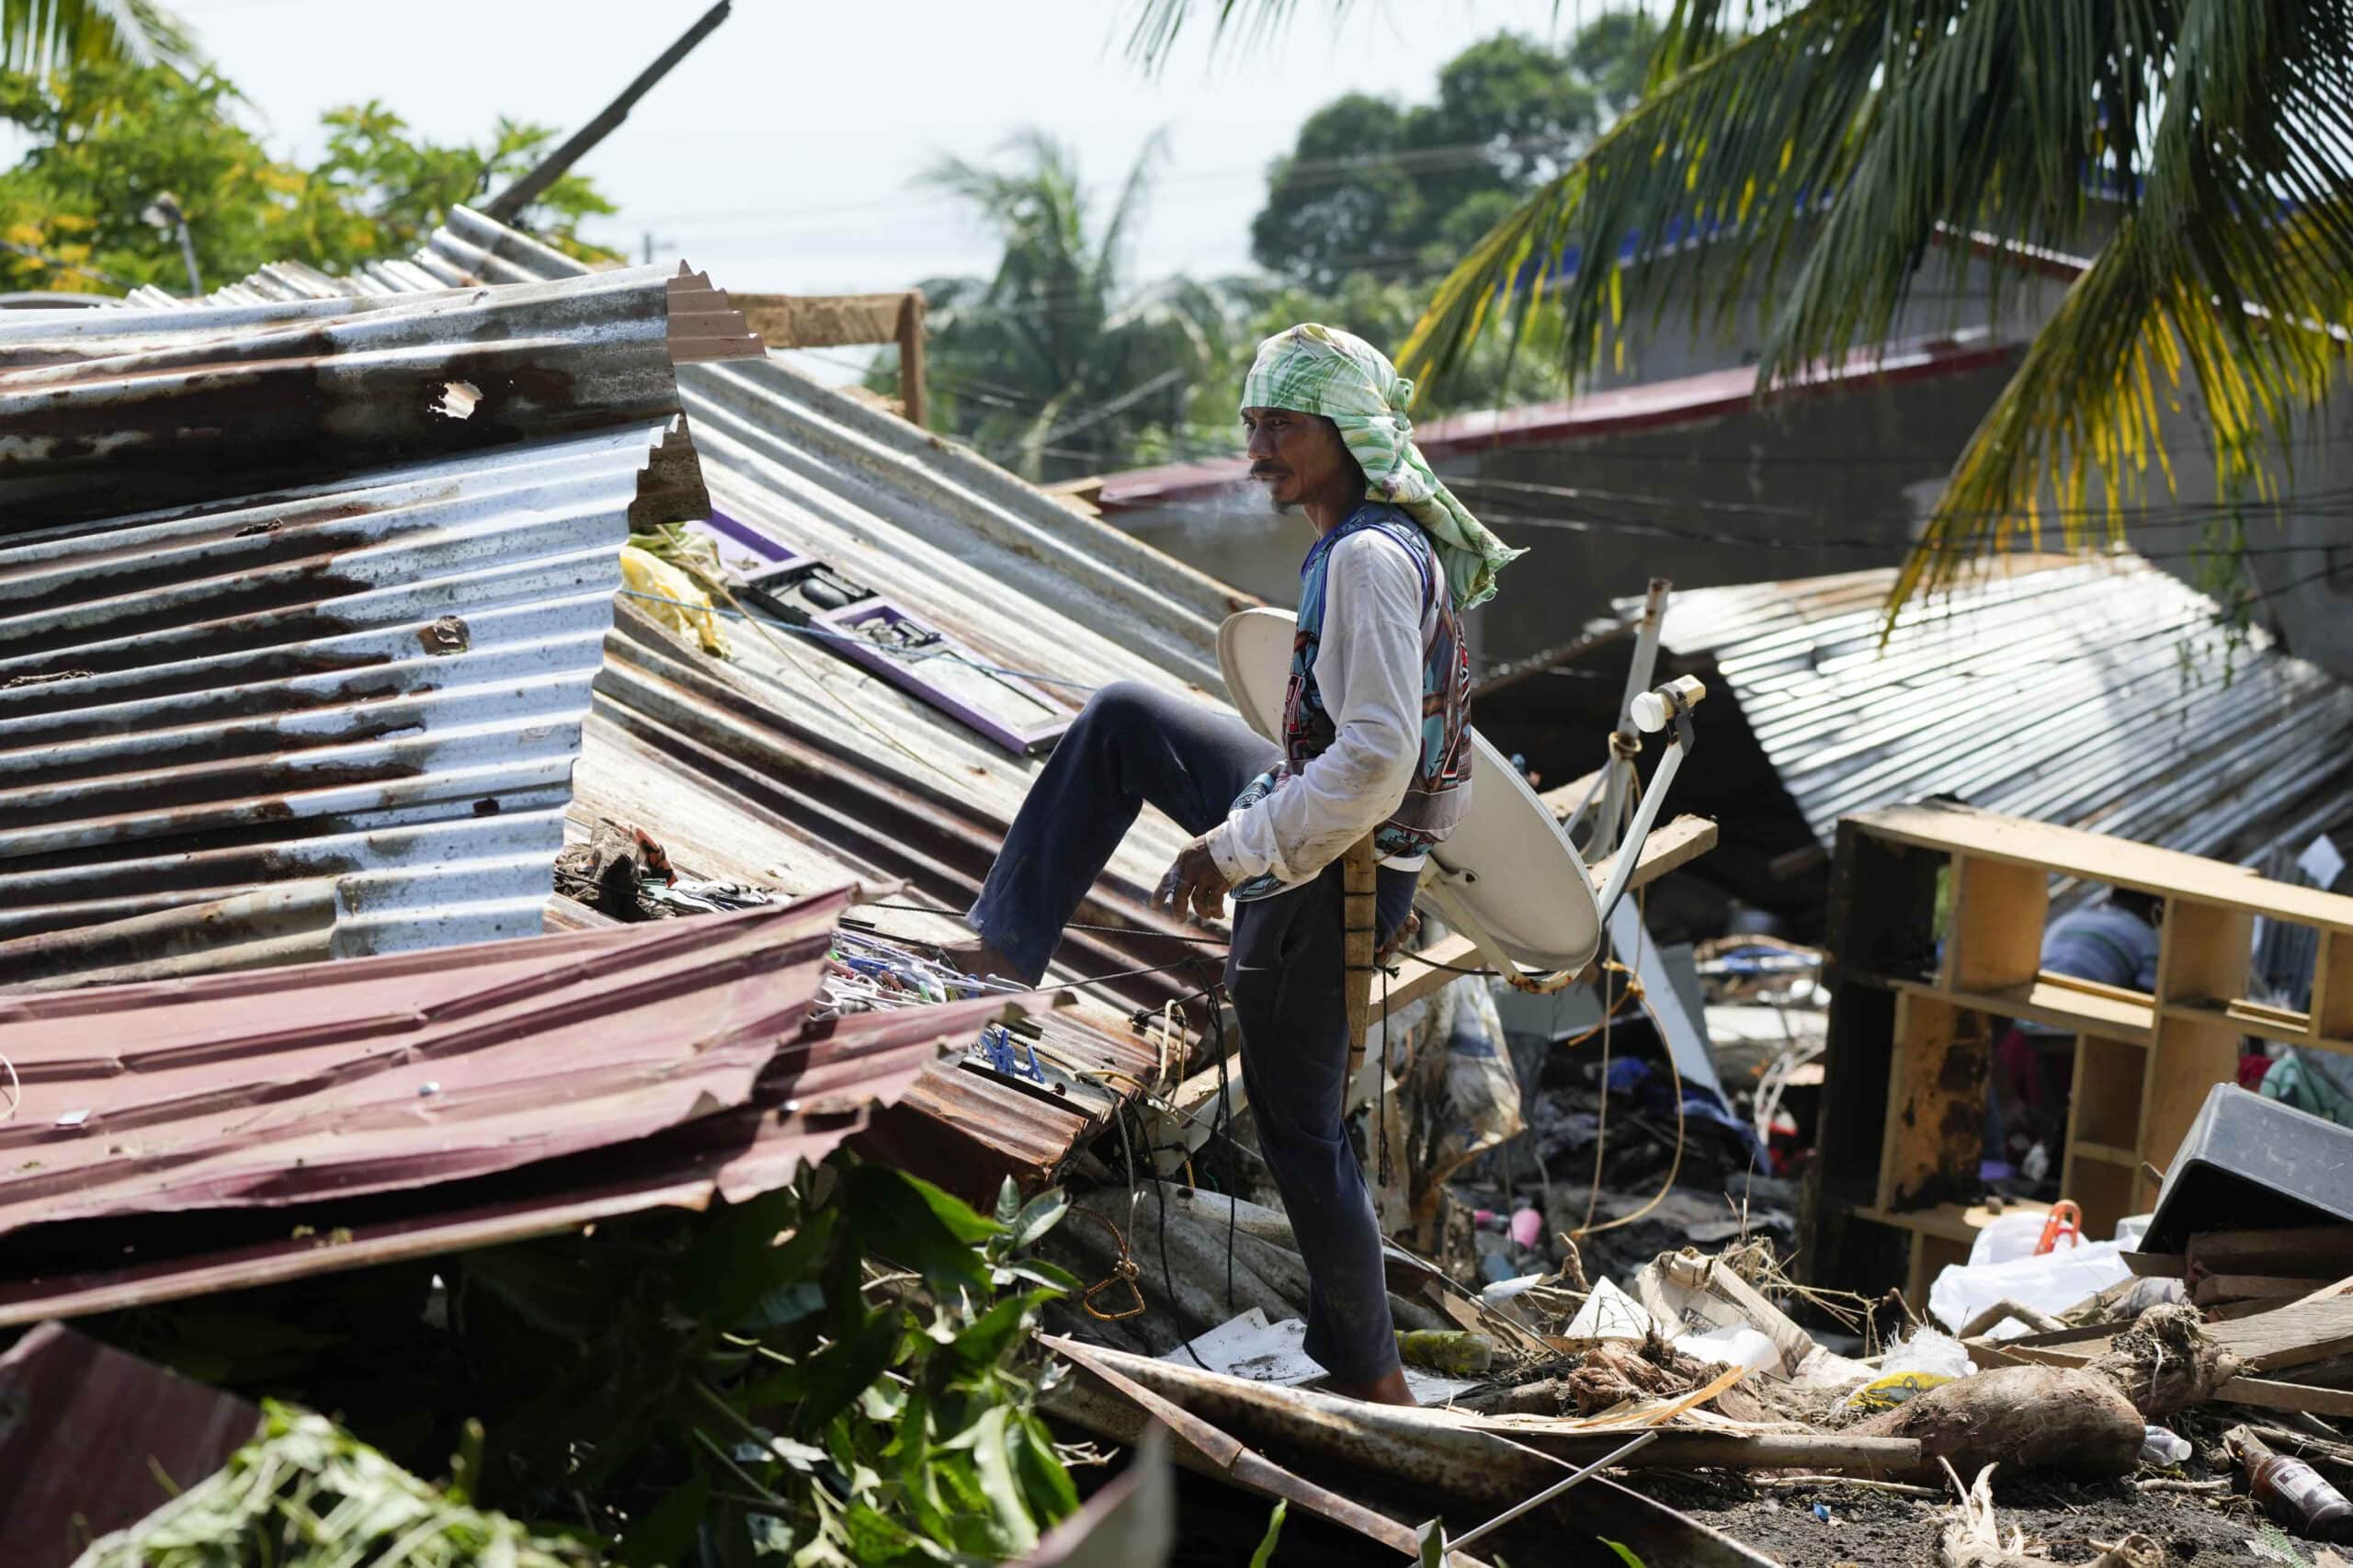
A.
pixel 2099 694
pixel 316 589
pixel 859 475
pixel 894 787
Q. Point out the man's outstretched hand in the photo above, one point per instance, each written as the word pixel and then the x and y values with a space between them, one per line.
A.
pixel 1193 886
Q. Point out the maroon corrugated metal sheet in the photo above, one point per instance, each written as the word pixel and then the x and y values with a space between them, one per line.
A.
pixel 819 1089
pixel 92 1439
pixel 281 1085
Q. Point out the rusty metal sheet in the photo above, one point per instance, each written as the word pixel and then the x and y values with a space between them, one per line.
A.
pixel 816 1091
pixel 93 1439
pixel 352 635
pixel 790 768
pixel 277 1085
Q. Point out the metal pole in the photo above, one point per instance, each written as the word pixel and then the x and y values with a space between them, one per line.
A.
pixel 187 255
pixel 524 191
pixel 1617 773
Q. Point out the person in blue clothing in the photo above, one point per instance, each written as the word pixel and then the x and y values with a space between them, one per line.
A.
pixel 1375 741
pixel 2113 942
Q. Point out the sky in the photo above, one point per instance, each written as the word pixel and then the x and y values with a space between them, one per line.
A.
pixel 781 155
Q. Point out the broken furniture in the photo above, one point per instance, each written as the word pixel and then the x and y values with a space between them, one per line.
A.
pixel 1913 1022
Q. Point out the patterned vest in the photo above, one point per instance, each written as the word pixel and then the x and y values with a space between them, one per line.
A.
pixel 1439 790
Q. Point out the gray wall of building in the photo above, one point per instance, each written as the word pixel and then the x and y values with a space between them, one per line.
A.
pixel 1795 489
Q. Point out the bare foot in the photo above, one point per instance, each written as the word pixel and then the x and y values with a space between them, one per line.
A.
pixel 1388 1389
pixel 974 956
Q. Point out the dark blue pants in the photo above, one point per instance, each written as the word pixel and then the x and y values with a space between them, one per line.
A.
pixel 1285 972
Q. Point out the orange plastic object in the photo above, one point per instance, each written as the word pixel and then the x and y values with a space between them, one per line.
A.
pixel 2066 1220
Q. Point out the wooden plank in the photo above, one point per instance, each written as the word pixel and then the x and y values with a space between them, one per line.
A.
pixel 1680 843
pixel 2156 1265
pixel 2314 1252
pixel 2097 858
pixel 1934 1130
pixel 824 320
pixel 2217 1288
pixel 2333 986
pixel 2284 1025
pixel 911 365
pixel 2062 1006
pixel 2305 1331
pixel 2266 1394
pixel 2186 1061
pixel 1358 893
pixel 1998 911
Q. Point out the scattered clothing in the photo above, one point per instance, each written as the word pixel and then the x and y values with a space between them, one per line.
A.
pixel 2320 1081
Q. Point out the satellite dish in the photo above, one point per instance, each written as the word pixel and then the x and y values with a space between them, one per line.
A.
pixel 1507 877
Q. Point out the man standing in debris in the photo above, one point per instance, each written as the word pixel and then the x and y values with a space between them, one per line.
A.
pixel 1374 728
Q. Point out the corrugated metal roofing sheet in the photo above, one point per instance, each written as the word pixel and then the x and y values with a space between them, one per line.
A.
pixel 353 635
pixel 792 767
pixel 991 560
pixel 286 1085
pixel 2101 694
pixel 487 1093
pixel 94 1440
pixel 1648 406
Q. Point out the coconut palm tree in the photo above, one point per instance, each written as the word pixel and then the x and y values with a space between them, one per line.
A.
pixel 39 36
pixel 1839 158
pixel 1054 364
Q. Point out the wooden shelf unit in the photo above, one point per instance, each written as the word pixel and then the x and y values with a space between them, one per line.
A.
pixel 1912 1026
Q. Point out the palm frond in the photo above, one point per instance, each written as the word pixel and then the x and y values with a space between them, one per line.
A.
pixel 2237 265
pixel 40 36
pixel 1707 183
pixel 1160 23
pixel 1820 167
pixel 1128 210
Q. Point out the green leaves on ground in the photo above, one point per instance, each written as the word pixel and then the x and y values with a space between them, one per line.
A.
pixel 307 1494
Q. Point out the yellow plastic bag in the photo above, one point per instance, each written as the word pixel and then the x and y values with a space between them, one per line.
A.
pixel 673 598
pixel 1894 1389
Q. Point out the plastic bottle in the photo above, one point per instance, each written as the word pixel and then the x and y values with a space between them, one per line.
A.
pixel 2292 1491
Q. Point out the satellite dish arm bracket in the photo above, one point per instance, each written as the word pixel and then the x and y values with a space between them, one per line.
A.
pixel 1669 705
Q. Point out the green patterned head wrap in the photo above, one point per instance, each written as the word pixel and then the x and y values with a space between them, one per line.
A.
pixel 1319 370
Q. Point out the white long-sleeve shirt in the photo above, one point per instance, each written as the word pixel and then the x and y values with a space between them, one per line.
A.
pixel 1369 672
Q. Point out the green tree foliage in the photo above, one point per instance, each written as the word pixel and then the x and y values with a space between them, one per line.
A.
pixel 1400 191
pixel 108 138
pixel 305 1494
pixel 1054 364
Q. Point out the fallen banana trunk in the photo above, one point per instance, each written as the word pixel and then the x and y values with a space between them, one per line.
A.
pixel 2074 1421
pixel 1433 1453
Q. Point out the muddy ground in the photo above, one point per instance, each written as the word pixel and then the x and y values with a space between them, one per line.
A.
pixel 1878 1529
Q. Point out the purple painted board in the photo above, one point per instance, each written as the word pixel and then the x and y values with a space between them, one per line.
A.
pixel 1030 720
